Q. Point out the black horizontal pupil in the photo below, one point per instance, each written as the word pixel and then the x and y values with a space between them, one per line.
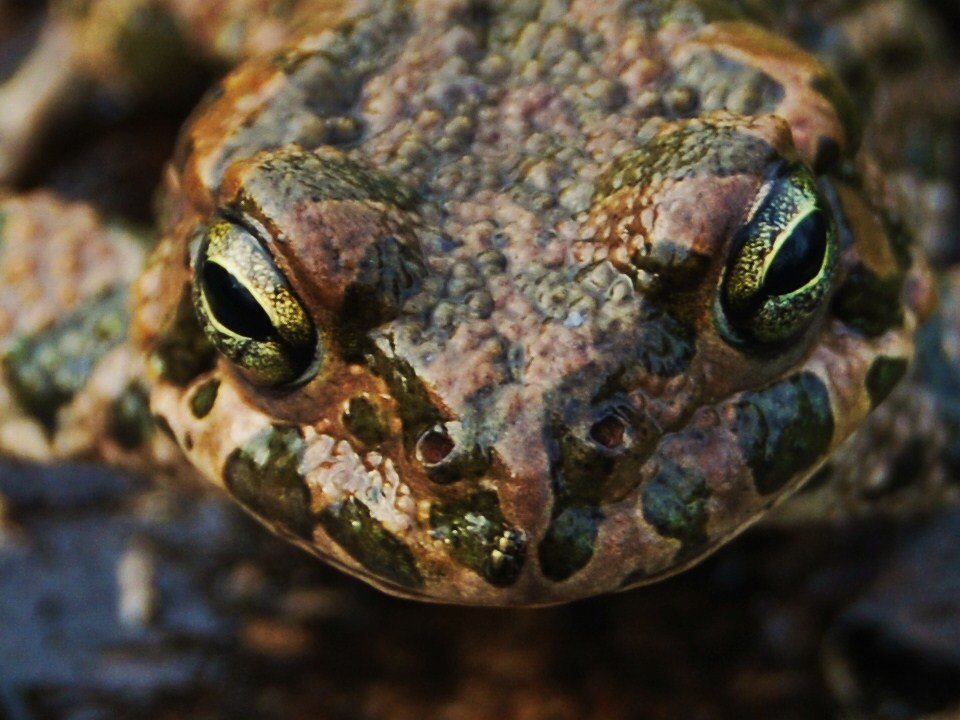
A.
pixel 799 258
pixel 233 305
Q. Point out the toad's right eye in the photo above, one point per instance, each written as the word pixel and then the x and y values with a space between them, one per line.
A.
pixel 248 310
pixel 783 265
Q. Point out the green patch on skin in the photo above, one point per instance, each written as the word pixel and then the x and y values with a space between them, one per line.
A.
pixel 675 502
pixel 688 150
pixel 46 370
pixel 204 398
pixel 585 471
pixel 601 442
pixel 129 421
pixel 297 175
pixel 264 476
pixel 477 536
pixel 416 409
pixel 784 429
pixel 369 543
pixel 183 352
pixel 883 377
pixel 869 303
pixel 388 274
pixel 364 420
pixel 580 474
pixel 665 346
pixel 569 543
pixel 467 460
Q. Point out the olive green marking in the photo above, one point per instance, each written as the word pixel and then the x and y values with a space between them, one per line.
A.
pixel 290 176
pixel 665 346
pixel 129 420
pixel 45 370
pixel 579 475
pixel 364 420
pixel 478 537
pixel 369 543
pixel 416 409
pixel 695 148
pixel 204 398
pixel 784 429
pixel 388 274
pixel 183 352
pixel 264 477
pixel 884 375
pixel 584 474
pixel 869 303
pixel 675 502
pixel 470 458
pixel 569 543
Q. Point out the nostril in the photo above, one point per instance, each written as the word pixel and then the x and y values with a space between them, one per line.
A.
pixel 434 446
pixel 609 432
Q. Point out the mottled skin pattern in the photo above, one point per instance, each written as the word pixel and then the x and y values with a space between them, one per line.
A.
pixel 514 303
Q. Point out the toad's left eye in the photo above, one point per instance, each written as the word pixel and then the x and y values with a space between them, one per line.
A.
pixel 248 309
pixel 782 265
